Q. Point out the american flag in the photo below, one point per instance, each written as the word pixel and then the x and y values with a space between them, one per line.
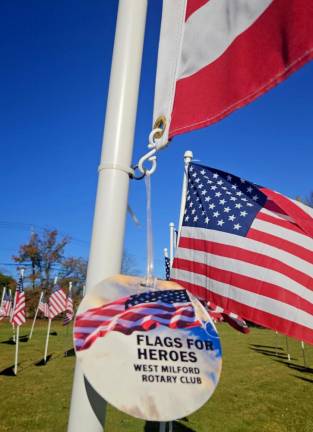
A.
pixel 249 250
pixel 18 315
pixel 57 301
pixel 6 304
pixel 69 313
pixel 43 305
pixel 167 268
pixel 219 314
pixel 139 312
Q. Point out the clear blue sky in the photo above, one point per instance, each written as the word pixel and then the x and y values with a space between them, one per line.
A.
pixel 55 64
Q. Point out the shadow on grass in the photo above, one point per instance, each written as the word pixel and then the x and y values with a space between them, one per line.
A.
pixel 304 379
pixel 267 346
pixel 10 341
pixel 9 371
pixel 269 353
pixel 69 353
pixel 297 367
pixel 177 427
pixel 53 333
pixel 42 362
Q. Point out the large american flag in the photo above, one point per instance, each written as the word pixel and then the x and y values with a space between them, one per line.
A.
pixel 69 313
pixel 18 315
pixel 57 301
pixel 139 312
pixel 43 305
pixel 249 250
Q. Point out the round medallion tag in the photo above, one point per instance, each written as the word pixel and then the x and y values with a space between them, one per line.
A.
pixel 155 355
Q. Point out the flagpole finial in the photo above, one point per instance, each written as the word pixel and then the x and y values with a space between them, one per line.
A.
pixel 188 155
pixel 165 251
pixel 22 270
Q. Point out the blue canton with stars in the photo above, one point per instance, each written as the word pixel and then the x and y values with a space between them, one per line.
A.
pixel 166 296
pixel 220 201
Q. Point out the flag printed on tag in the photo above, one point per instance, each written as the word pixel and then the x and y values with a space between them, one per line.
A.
pixel 140 312
pixel 248 250
pixel 217 55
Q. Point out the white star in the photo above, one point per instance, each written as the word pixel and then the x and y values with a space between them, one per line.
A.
pixel 239 193
pixel 222 201
pixel 238 205
pixel 220 182
pixel 200 186
pixel 218 194
pixel 193 211
pixel 215 175
pixel 207 198
pixel 250 204
pixel 249 189
pixel 188 198
pixel 232 217
pixel 209 181
pixel 242 180
pixel 203 213
pixel 206 220
pixel 244 199
pixel 212 206
pixel 255 198
pixel 195 218
pixel 187 218
pixel 190 204
pixel 202 172
pixel 220 222
pixel 228 193
pixel 200 205
pixel 197 180
pixel 204 192
pixel 227 209
pixel 234 186
pixel 216 214
pixel 229 177
pixel 237 226
pixel 243 213
pixel 213 187
pixel 224 188
pixel 194 175
pixel 233 198
pixel 191 169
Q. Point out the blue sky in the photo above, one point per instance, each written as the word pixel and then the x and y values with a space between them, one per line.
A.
pixel 55 66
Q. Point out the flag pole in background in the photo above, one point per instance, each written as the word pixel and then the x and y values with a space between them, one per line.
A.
pixel 87 410
pixel 47 341
pixel 11 315
pixel 188 155
pixel 172 241
pixel 303 354
pixel 35 317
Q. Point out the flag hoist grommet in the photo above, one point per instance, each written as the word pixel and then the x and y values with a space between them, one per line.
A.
pixel 155 355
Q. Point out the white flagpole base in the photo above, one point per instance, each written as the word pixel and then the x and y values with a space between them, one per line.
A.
pixel 47 341
pixel 16 349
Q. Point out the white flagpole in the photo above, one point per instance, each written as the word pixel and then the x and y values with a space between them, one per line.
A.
pixel 303 353
pixel 106 249
pixel 287 349
pixel 47 341
pixel 35 317
pixel 17 338
pixel 11 315
pixel 187 159
pixel 165 251
pixel 172 242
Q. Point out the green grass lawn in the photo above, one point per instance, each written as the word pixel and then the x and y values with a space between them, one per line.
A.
pixel 258 391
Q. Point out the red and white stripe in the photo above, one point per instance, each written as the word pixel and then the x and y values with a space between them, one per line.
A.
pixel 18 315
pixel 218 55
pixel 57 303
pixel 265 277
pixel 69 313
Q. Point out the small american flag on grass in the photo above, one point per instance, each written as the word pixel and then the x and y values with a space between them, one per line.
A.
pixel 57 301
pixel 69 313
pixel 139 312
pixel 18 316
pixel 43 306
pixel 6 305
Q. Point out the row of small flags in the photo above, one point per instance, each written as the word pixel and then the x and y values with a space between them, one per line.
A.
pixel 58 302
